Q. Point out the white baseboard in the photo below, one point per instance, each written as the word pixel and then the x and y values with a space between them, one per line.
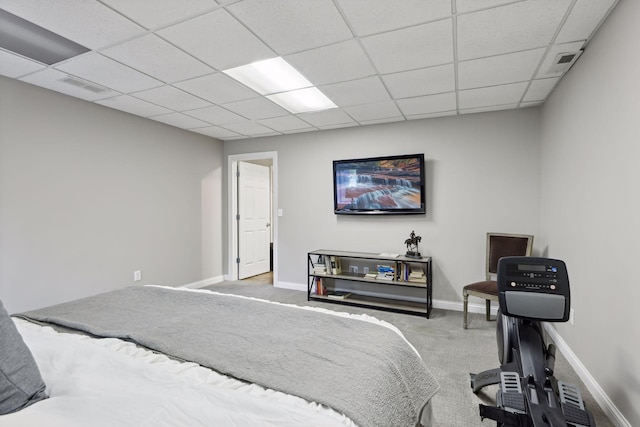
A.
pixel 594 388
pixel 290 285
pixel 203 283
pixel 458 306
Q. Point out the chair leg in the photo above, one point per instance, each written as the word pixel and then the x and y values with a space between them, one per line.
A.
pixel 488 303
pixel 465 305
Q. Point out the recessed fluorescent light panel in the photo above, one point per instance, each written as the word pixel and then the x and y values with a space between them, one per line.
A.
pixel 32 41
pixel 282 84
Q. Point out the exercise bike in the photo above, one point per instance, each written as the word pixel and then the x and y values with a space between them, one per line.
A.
pixel 531 291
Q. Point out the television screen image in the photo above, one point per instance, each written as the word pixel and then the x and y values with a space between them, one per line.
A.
pixel 379 185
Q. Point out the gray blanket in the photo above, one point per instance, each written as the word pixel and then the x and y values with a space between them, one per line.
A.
pixel 363 370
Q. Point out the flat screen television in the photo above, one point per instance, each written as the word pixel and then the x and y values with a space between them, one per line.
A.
pixel 391 185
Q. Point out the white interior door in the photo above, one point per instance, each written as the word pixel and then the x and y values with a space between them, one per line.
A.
pixel 254 219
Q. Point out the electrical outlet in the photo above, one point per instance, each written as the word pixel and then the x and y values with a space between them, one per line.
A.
pixel 571 316
pixel 137 275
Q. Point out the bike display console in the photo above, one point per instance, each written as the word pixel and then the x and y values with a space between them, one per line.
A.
pixel 531 291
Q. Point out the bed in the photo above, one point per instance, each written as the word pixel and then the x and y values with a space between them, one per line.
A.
pixel 162 356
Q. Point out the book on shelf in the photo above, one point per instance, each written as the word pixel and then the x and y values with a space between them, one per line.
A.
pixel 385 276
pixel 334 264
pixel 338 295
pixel 371 275
pixel 319 269
pixel 320 290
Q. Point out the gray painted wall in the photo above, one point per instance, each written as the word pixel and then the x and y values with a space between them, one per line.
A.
pixel 590 206
pixel 483 174
pixel 89 194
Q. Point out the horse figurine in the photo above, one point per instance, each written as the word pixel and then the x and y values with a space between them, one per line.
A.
pixel 412 245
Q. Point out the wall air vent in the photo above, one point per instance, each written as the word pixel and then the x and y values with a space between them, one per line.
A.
pixel 84 85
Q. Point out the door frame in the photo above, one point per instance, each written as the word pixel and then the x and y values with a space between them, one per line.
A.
pixel 232 204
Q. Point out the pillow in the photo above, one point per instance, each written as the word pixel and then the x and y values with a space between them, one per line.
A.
pixel 20 382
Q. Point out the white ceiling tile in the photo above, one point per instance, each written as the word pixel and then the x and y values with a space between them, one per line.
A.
pixel 554 51
pixel 215 115
pixel 133 105
pixel 157 58
pixel 501 69
pixel 356 92
pixel 540 89
pixel 180 120
pixel 380 121
pixel 107 72
pixel 339 126
pixel 88 23
pixel 465 6
pixel 13 66
pixel 491 96
pixel 376 16
pixel 218 39
pixel 489 108
pixel 250 128
pixel 291 26
pixel 216 132
pixel 531 104
pixel 217 88
pixel 55 80
pixel 584 18
pixel 425 81
pixel 172 98
pixel 334 63
pixel 411 48
pixel 377 111
pixel 256 109
pixel 335 116
pixel 285 123
pixel 161 12
pixel 428 104
pixel 433 115
pixel 518 26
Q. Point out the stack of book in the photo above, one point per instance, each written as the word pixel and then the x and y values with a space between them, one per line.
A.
pixel 417 275
pixel 338 295
pixel 319 268
pixel 386 272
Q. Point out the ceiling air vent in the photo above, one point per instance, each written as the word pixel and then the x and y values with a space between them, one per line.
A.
pixel 84 85
pixel 563 61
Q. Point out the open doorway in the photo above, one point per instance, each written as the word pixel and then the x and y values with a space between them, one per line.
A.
pixel 252 221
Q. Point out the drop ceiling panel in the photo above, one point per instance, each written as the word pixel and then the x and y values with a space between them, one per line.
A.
pixel 501 69
pixel 291 26
pixel 215 115
pixel 410 48
pixel 180 120
pixel 55 80
pixel 491 96
pixel 583 19
pixel 466 6
pixel 331 64
pixel 86 22
pixel 285 124
pixel 218 39
pixel 514 27
pixel 377 111
pixel 549 59
pixel 379 60
pixel 216 132
pixel 157 58
pixel 172 98
pixel 375 16
pixel 107 72
pixel 356 92
pixel 333 117
pixel 256 109
pixel 133 105
pixel 540 89
pixel 250 128
pixel 14 66
pixel 217 88
pixel 160 12
pixel 424 81
pixel 428 104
